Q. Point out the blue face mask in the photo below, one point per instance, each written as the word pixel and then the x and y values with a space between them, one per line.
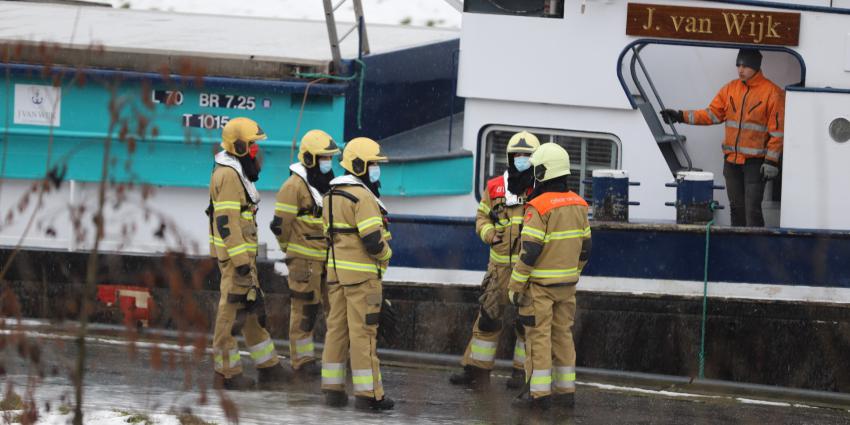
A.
pixel 374 173
pixel 522 163
pixel 325 165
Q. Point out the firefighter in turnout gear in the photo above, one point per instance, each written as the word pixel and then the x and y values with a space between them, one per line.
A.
pixel 498 222
pixel 233 241
pixel 359 252
pixel 297 225
pixel 555 247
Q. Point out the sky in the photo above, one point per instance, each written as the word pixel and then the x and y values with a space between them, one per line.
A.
pixel 412 12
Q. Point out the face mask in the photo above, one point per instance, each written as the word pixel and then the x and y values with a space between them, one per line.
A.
pixel 325 165
pixel 522 163
pixel 374 173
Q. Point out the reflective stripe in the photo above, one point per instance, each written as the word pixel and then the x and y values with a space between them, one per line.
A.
pixel 519 277
pixel 357 267
pixel 247 215
pixel 535 233
pixel 262 352
pixel 233 359
pixel 368 223
pixel 245 247
pixel 337 225
pixel 541 380
pixel 386 256
pixel 496 258
pixel 315 221
pixel 285 208
pixel 773 155
pixel 713 117
pixel 691 117
pixel 777 133
pixel 304 347
pixel 746 126
pixel 301 249
pixel 484 351
pixel 226 205
pixel 362 380
pixel 567 234
pixel 333 373
pixel 484 229
pixel 519 352
pixel 483 207
pixel 564 377
pixel 217 241
pixel 744 150
pixel 553 273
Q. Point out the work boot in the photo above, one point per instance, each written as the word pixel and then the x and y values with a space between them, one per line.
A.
pixel 336 398
pixel 309 371
pixel 238 382
pixel 517 379
pixel 369 403
pixel 472 377
pixel 565 401
pixel 273 377
pixel 539 403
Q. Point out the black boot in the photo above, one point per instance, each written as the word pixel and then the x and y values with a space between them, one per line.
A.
pixel 517 379
pixel 238 382
pixel 273 377
pixel 336 398
pixel 310 370
pixel 539 403
pixel 473 377
pixel 368 403
pixel 564 401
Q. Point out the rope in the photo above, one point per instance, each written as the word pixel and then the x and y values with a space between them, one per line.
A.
pixel 298 123
pixel 713 206
pixel 360 74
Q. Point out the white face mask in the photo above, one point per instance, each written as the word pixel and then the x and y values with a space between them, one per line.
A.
pixel 325 165
pixel 374 173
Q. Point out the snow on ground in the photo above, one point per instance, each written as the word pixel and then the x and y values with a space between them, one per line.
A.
pixel 103 417
pixel 413 12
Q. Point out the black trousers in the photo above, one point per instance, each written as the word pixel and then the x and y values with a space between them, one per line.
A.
pixel 745 188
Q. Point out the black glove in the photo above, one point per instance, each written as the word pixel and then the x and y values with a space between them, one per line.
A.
pixel 388 322
pixel 243 270
pixel 671 116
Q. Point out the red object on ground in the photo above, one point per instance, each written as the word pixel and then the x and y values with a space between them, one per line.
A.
pixel 134 301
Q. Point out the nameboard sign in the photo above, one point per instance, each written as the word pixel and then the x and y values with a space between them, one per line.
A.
pixel 726 25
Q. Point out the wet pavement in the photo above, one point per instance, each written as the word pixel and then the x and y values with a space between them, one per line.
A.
pixel 164 379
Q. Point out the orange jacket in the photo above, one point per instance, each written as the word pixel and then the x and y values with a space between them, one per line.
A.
pixel 754 112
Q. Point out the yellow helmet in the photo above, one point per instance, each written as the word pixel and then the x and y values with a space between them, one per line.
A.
pixel 316 143
pixel 358 153
pixel 550 160
pixel 243 130
pixel 523 142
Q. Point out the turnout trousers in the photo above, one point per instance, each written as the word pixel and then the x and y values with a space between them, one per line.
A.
pixel 232 317
pixel 307 291
pixel 486 331
pixel 352 333
pixel 548 323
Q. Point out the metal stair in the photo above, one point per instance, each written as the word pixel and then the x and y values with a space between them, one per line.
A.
pixel 333 35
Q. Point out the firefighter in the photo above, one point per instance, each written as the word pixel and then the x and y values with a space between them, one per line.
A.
pixel 233 241
pixel 555 245
pixel 359 252
pixel 297 224
pixel 753 110
pixel 497 222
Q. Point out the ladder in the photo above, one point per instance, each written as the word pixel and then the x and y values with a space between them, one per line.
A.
pixel 333 37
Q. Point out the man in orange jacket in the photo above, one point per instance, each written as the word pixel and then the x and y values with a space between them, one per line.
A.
pixel 753 109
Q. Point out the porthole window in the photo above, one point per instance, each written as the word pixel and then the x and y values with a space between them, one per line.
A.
pixel 839 130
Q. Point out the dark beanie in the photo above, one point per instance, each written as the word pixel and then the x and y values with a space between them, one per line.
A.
pixel 750 58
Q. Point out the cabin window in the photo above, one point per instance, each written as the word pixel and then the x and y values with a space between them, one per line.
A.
pixel 532 8
pixel 588 151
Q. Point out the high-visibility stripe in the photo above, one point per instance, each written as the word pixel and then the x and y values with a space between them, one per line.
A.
pixel 369 223
pixel 519 277
pixel 227 205
pixel 746 126
pixel 484 229
pixel 541 380
pixel 484 351
pixel 777 133
pixel 353 266
pixel 313 221
pixel 333 373
pixel 564 377
pixel 691 119
pixel 262 352
pixel 217 241
pixel 554 273
pixel 304 347
pixel 301 249
pixel 386 256
pixel 496 258
pixel 285 208
pixel 519 352
pixel 535 233
pixel 773 155
pixel 362 380
pixel 233 358
pixel 567 234
pixel 483 207
pixel 713 117
pixel 247 215
pixel 245 247
pixel 744 150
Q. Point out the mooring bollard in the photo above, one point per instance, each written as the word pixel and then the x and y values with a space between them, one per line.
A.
pixel 695 202
pixel 611 195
